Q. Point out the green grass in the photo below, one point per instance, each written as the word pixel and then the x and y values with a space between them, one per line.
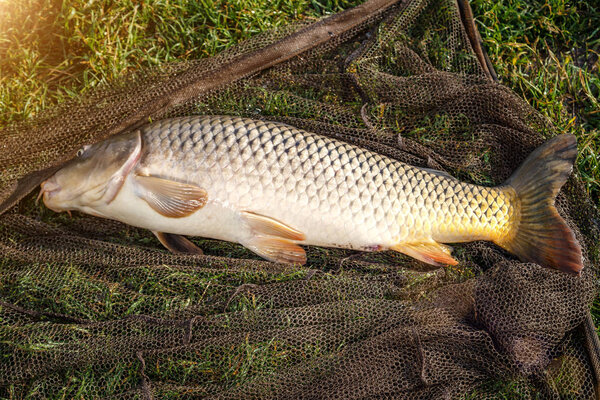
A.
pixel 547 52
pixel 51 50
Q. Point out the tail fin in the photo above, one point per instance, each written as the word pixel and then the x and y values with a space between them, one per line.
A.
pixel 542 235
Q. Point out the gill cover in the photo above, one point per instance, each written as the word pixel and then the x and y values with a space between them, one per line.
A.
pixel 128 152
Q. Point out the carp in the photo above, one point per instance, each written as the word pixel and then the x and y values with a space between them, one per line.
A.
pixel 272 187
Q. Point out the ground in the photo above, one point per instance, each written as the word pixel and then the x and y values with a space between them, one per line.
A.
pixel 545 51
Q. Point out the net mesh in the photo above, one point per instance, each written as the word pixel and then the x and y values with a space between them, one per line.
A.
pixel 91 308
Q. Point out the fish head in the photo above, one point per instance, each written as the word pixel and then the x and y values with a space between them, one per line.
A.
pixel 94 177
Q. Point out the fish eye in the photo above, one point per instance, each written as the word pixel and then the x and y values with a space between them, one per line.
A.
pixel 82 150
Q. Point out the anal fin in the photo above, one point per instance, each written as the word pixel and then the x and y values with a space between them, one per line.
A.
pixel 277 249
pixel 177 243
pixel 433 253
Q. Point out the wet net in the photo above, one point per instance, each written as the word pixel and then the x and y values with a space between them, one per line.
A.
pixel 91 308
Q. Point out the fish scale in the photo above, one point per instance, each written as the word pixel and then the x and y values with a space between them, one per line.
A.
pixel 270 187
pixel 355 197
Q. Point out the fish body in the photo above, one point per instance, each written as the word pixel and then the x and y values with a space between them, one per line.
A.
pixel 337 194
pixel 272 187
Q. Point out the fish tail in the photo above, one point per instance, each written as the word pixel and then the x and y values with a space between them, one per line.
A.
pixel 542 236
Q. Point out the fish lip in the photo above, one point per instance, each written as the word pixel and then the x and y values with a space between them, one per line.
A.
pixel 48 189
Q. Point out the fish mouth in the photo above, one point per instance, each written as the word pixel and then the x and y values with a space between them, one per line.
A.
pixel 47 191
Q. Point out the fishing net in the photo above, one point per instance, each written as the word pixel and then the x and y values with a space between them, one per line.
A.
pixel 91 308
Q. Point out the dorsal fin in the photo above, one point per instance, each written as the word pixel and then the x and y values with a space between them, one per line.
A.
pixel 437 172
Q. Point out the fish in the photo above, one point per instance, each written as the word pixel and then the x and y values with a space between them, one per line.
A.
pixel 272 187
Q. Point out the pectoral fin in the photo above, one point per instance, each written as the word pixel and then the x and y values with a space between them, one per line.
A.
pixel 170 198
pixel 277 249
pixel 177 243
pixel 429 252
